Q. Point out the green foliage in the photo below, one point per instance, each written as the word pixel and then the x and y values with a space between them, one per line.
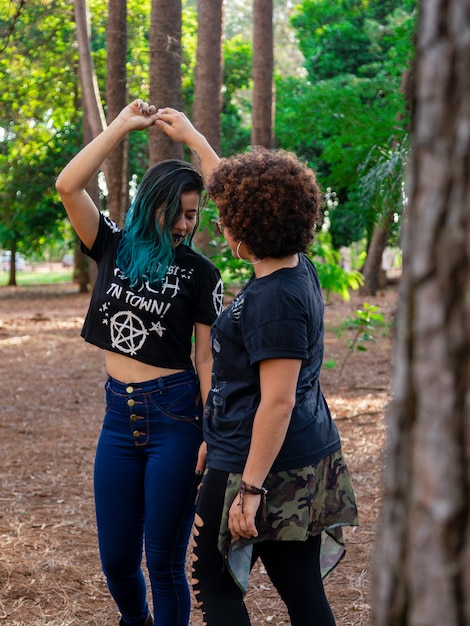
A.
pixel 350 101
pixel 381 180
pixel 336 38
pixel 38 93
pixel 333 277
pixel 236 106
pixel 356 54
pixel 364 323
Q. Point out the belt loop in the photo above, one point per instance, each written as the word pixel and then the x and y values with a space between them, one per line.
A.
pixel 161 385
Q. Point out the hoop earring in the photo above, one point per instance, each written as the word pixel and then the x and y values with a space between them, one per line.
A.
pixel 245 260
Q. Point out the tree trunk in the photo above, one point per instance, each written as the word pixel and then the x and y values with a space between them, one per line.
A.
pixel 165 73
pixel 207 107
pixel 116 100
pixel 208 76
pixel 93 121
pixel 263 64
pixel 12 276
pixel 422 556
pixel 372 271
pixel 90 92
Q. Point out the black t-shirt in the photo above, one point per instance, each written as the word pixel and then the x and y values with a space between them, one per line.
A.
pixel 277 316
pixel 151 324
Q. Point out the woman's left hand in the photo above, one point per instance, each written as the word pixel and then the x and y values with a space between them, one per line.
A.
pixel 201 458
pixel 241 519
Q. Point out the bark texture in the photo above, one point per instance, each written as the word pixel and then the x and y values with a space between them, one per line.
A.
pixel 263 63
pixel 208 76
pixel 422 555
pixel 165 73
pixel 116 100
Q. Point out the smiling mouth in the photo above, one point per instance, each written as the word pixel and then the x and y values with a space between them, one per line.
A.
pixel 177 238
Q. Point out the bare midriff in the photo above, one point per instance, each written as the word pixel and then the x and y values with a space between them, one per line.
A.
pixel 128 370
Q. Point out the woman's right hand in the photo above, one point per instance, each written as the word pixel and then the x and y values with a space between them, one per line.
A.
pixel 176 125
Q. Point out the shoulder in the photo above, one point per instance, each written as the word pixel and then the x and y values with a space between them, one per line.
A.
pixel 108 232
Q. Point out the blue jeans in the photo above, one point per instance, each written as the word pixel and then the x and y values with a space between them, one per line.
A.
pixel 145 488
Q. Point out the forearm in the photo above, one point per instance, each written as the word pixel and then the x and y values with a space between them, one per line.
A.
pixel 204 373
pixel 77 174
pixel 203 358
pixel 269 432
pixel 206 157
pixel 177 126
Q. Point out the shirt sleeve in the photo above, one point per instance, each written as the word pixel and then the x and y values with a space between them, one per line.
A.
pixel 107 229
pixel 275 327
pixel 210 293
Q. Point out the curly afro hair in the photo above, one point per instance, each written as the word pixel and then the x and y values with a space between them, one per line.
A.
pixel 268 199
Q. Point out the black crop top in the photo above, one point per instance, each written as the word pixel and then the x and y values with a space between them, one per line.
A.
pixel 153 325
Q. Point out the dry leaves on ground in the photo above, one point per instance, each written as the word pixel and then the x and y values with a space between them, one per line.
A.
pixel 53 404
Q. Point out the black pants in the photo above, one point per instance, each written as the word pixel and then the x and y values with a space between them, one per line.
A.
pixel 292 566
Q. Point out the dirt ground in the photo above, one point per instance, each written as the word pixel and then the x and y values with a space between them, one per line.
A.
pixel 53 383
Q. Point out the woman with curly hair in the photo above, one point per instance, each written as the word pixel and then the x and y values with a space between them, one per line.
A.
pixel 276 485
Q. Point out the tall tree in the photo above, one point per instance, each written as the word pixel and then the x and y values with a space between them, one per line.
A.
pixel 263 65
pixel 90 91
pixel 207 107
pixel 165 72
pixel 422 559
pixel 95 122
pixel 208 75
pixel 116 99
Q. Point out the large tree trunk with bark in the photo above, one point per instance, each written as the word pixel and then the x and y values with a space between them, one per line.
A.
pixel 422 554
pixel 90 92
pixel 165 73
pixel 116 100
pixel 263 64
pixel 208 76
pixel 93 124
pixel 207 106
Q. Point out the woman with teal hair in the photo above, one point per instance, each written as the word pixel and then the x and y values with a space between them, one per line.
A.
pixel 153 292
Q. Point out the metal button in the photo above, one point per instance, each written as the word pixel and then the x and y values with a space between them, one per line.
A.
pixel 134 417
pixel 130 402
pixel 136 433
pixel 129 389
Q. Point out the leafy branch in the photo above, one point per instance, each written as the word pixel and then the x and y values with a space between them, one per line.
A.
pixel 364 323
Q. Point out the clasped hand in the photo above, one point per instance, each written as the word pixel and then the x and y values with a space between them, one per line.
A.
pixel 241 520
pixel 139 115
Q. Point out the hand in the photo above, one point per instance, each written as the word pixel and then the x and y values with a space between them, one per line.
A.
pixel 201 458
pixel 242 524
pixel 176 125
pixel 138 115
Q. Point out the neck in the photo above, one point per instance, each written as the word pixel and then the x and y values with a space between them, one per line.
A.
pixel 267 266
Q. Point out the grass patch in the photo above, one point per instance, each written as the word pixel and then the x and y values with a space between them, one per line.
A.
pixel 34 277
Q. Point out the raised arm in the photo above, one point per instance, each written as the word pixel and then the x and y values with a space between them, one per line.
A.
pixel 71 183
pixel 177 126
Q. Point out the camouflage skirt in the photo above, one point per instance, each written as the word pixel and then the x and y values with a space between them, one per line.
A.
pixel 300 503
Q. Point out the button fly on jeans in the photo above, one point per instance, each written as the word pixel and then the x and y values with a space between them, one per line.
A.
pixel 129 389
pixel 130 402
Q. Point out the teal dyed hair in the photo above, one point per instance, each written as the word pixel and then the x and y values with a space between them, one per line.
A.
pixel 146 249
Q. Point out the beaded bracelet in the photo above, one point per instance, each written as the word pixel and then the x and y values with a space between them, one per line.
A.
pixel 255 491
